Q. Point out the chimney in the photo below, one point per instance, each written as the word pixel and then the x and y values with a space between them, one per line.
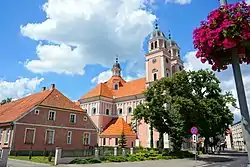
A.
pixel 43 88
pixel 53 86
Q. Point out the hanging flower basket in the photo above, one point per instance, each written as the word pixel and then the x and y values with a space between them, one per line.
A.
pixel 225 29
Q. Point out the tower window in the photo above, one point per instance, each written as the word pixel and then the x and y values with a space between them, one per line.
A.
pixel 116 87
pixel 107 111
pixel 152 46
pixel 180 68
pixel 165 44
pixel 154 60
pixel 166 60
pixel 155 76
pixel 94 111
pixel 155 44
pixel 169 51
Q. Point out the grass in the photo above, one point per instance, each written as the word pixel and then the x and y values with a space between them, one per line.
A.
pixel 37 159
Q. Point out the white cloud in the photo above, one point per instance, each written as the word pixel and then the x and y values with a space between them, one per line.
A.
pixel 182 2
pixel 81 32
pixel 19 88
pixel 226 77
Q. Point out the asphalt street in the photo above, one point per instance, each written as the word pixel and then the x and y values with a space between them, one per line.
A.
pixel 227 159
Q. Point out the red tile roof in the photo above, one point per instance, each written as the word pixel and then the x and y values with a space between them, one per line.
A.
pixel 106 89
pixel 115 128
pixel 52 98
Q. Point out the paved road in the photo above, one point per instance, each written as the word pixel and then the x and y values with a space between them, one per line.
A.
pixel 156 163
pixel 19 163
pixel 228 159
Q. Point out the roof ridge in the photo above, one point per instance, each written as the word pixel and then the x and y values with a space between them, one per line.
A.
pixel 46 96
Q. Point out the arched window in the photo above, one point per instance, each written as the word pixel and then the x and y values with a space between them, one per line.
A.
pixel 116 86
pixel 155 76
pixel 152 46
pixel 120 111
pixel 93 110
pixel 155 44
pixel 107 112
pixel 129 110
pixel 180 68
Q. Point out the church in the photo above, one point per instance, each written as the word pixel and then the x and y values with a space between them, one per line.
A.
pixel 111 104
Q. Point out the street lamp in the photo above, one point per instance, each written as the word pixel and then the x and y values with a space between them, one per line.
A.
pixel 245 121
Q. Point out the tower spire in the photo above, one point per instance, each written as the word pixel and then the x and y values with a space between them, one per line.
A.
pixel 116 67
pixel 156 26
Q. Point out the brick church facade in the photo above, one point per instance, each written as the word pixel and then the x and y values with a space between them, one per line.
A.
pixel 111 104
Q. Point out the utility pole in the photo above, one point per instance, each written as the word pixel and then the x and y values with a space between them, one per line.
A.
pixel 245 120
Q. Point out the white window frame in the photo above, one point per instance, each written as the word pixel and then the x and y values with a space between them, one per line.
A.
pixel 72 114
pixel 7 135
pixel 85 118
pixel 53 137
pixel 69 137
pixel 1 135
pixel 51 111
pixel 83 138
pixel 34 135
pixel 37 111
pixel 92 111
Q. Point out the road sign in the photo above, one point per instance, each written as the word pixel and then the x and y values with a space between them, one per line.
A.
pixel 194 130
pixel 194 137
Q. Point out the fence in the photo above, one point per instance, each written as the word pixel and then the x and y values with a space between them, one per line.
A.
pixel 64 156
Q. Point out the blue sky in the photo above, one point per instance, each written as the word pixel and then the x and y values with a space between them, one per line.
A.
pixel 69 43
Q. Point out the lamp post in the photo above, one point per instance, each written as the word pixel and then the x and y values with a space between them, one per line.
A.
pixel 245 120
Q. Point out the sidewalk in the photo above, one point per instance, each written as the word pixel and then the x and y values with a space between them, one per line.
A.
pixel 158 163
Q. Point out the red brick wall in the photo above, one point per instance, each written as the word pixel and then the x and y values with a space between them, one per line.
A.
pixel 60 139
pixel 40 122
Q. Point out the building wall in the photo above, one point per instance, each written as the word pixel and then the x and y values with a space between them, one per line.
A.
pixel 61 125
pixel 60 138
pixel 237 136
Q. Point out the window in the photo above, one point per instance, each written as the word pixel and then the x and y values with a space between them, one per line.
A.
pixel 7 136
pixel 72 118
pixel 165 44
pixel 1 134
pixel 129 110
pixel 154 60
pixel 155 76
pixel 116 87
pixel 104 141
pixel 29 136
pixel 94 111
pixel 155 44
pixel 107 111
pixel 86 139
pixel 52 115
pixel 50 134
pixel 152 46
pixel 154 70
pixel 116 141
pixel 69 137
pixel 180 68
pixel 120 111
pixel 166 60
pixel 85 118
pixel 36 111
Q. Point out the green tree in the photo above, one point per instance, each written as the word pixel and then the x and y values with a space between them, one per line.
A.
pixel 187 99
pixel 7 100
pixel 122 141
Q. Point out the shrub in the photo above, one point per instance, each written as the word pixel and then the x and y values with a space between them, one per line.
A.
pixel 86 161
pixel 116 159
pixel 93 160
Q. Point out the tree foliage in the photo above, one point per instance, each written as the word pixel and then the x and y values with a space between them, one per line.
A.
pixel 187 99
pixel 122 141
